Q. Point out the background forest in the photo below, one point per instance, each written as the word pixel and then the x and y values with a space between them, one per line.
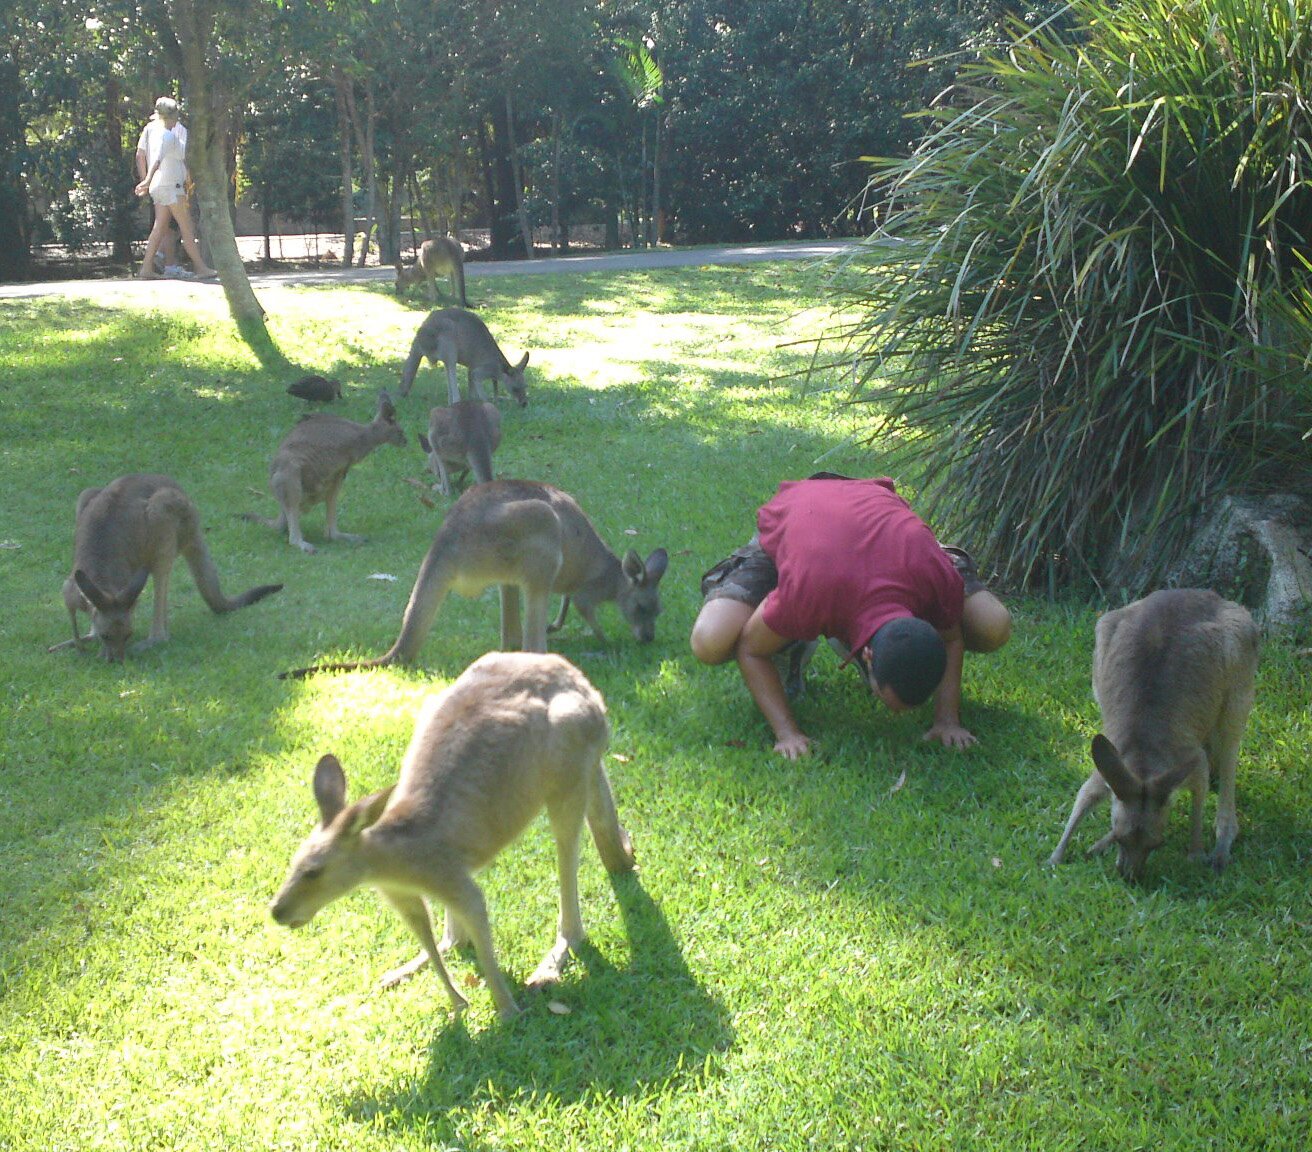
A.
pixel 690 122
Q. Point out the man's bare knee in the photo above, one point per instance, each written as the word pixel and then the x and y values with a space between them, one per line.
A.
pixel 716 630
pixel 985 623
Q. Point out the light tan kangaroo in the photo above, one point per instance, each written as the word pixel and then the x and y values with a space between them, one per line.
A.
pixel 462 437
pixel 440 256
pixel 521 535
pixel 456 336
pixel 1174 675
pixel 514 734
pixel 312 462
pixel 130 531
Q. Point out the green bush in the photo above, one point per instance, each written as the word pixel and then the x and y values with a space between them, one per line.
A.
pixel 1089 288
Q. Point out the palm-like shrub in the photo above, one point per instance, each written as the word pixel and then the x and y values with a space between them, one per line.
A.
pixel 1086 308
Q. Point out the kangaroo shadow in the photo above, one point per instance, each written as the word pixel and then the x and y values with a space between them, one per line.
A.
pixel 647 1023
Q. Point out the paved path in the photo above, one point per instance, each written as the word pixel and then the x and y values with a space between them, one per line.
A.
pixel 607 261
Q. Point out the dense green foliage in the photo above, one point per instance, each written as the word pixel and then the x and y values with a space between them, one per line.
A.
pixel 1090 288
pixel 466 114
pixel 810 957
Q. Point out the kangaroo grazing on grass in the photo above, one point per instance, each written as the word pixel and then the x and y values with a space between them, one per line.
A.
pixel 442 255
pixel 521 535
pixel 462 437
pixel 131 530
pixel 312 462
pixel 1174 675
pixel 456 336
pixel 514 734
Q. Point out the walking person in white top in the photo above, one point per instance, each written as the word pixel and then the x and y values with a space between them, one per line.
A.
pixel 161 164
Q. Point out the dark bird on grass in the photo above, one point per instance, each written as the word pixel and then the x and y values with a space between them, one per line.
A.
pixel 317 388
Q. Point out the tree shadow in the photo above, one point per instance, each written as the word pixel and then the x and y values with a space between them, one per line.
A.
pixel 644 1024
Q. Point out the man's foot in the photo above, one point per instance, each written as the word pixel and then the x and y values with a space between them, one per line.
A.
pixel 965 565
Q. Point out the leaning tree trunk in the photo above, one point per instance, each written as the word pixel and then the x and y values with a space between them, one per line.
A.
pixel 348 178
pixel 191 26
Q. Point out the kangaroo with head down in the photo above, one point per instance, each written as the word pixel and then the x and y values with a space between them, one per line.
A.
pixel 456 336
pixel 442 255
pixel 128 532
pixel 462 437
pixel 524 536
pixel 311 464
pixel 1174 675
pixel 514 734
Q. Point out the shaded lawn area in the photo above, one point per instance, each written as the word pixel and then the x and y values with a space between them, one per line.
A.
pixel 808 957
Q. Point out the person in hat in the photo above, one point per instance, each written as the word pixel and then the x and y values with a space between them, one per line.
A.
pixel 849 560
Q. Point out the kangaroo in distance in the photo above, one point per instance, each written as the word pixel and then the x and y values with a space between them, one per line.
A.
pixel 127 532
pixel 521 535
pixel 456 336
pixel 312 462
pixel 513 734
pixel 1174 675
pixel 442 255
pixel 462 437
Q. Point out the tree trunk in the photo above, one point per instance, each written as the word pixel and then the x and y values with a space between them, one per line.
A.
pixel 517 172
pixel 364 141
pixel 555 182
pixel 657 213
pixel 120 235
pixel 348 177
pixel 15 234
pixel 189 37
pixel 502 203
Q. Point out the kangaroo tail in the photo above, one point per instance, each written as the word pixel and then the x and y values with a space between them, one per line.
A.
pixel 206 575
pixel 613 843
pixel 343 666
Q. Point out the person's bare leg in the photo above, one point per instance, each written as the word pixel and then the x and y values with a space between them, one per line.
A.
pixel 985 622
pixel 157 230
pixel 717 628
pixel 182 214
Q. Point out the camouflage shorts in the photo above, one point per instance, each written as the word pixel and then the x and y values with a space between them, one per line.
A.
pixel 747 575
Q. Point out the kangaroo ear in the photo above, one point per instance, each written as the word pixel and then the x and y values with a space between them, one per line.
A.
pixel 1162 786
pixel 657 562
pixel 1126 786
pixel 522 364
pixel 95 597
pixel 424 444
pixel 129 595
pixel 329 788
pixel 634 569
pixel 386 409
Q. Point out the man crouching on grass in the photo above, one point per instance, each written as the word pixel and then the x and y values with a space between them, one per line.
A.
pixel 849 560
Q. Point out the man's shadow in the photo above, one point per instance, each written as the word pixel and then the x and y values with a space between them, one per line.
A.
pixel 627 1029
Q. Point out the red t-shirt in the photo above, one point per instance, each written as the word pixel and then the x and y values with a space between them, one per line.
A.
pixel 851 557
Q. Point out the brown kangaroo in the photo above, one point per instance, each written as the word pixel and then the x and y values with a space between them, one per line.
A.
pixel 514 734
pixel 1174 675
pixel 456 336
pixel 462 437
pixel 441 255
pixel 131 530
pixel 312 462
pixel 521 535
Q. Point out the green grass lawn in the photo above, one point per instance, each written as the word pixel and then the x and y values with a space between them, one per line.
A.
pixel 808 958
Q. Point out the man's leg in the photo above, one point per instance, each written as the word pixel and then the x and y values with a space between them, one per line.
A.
pixel 985 620
pixel 716 631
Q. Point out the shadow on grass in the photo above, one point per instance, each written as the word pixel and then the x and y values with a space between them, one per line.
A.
pixel 646 1025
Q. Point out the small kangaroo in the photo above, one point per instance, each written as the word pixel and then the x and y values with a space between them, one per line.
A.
pixel 133 529
pixel 1174 675
pixel 440 255
pixel 312 461
pixel 463 437
pixel 456 336
pixel 521 535
pixel 514 734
